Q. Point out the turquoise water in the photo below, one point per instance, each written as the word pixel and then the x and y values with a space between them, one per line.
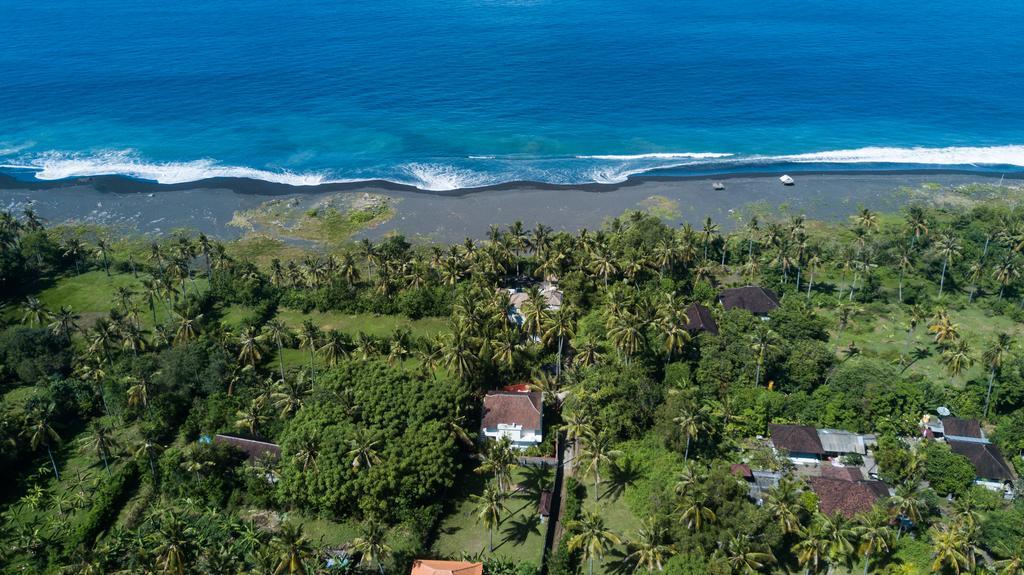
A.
pixel 457 93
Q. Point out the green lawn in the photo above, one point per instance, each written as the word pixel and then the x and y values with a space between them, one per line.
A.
pixel 373 324
pixel 881 330
pixel 617 515
pixel 519 537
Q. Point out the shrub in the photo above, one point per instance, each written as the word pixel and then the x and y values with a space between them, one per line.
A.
pixel 107 502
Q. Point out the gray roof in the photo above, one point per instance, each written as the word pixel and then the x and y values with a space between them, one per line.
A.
pixel 839 441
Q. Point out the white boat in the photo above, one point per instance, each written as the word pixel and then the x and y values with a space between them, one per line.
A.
pixel 718 186
pixel 786 180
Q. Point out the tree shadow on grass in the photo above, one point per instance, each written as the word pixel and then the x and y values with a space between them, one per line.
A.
pixel 520 528
pixel 536 480
pixel 615 563
pixel 622 475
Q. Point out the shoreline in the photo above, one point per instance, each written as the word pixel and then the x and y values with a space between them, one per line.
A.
pixel 139 207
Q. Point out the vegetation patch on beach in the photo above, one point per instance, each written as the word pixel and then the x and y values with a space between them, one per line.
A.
pixel 331 219
pixel 661 207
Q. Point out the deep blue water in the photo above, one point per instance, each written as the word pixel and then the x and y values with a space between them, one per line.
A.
pixel 446 93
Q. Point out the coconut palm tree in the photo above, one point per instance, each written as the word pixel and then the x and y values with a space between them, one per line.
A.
pixel 36 313
pixel 103 251
pixel 560 326
pixel 293 550
pixel 812 547
pixel 917 221
pixel 946 332
pixel 251 417
pixel 650 548
pixel 457 353
pixel 764 342
pixel 499 461
pixel 957 358
pixel 950 549
pixel 250 353
pixel 64 322
pixel 874 534
pixel 591 537
pixel 175 543
pixel 187 328
pixel 278 332
pixel 309 338
pixel 907 504
pixel 1005 272
pixel 782 504
pixel 363 449
pixel 489 506
pixel 99 439
pixel 694 511
pixel 334 348
pixel 947 246
pixel 40 433
pixel 149 450
pixel 707 234
pixel 994 356
pixel 289 396
pixel 692 420
pixel 745 558
pixel 597 451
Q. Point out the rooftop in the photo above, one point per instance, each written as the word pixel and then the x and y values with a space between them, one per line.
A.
pixel 796 438
pixel 437 567
pixel 961 427
pixel 986 458
pixel 847 498
pixel 754 299
pixel 510 407
pixel 254 449
pixel 699 318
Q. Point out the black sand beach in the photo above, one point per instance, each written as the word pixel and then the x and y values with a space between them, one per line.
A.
pixel 133 206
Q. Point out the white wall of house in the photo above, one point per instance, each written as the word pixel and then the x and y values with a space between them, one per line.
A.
pixel 521 438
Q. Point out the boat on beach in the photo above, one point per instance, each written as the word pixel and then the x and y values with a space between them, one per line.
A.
pixel 786 180
pixel 719 186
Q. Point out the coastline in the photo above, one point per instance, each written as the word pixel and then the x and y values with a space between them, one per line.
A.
pixel 137 206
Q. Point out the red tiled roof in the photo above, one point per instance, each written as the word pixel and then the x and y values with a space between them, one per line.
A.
pixel 844 473
pixel 741 470
pixel 512 408
pixel 517 387
pixel 436 567
pixel 796 438
pixel 846 497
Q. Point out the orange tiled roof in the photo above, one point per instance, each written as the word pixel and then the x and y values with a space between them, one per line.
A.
pixel 437 567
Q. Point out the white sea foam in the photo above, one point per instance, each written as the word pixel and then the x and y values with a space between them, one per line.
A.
pixel 58 165
pixel 659 156
pixel 953 156
pixel 442 177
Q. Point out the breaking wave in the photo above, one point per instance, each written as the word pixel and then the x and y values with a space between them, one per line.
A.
pixel 486 170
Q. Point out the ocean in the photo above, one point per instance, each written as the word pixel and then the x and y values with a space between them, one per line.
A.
pixel 447 94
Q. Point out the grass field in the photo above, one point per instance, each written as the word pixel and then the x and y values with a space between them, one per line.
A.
pixel 372 324
pixel 519 537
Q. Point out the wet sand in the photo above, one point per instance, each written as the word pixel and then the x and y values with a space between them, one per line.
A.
pixel 131 206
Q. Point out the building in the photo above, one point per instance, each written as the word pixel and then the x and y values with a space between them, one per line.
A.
pixel 254 449
pixel 837 442
pixel 990 467
pixel 755 299
pixel 800 442
pixel 437 567
pixel 845 497
pixel 518 297
pixel 699 318
pixel 956 428
pixel 518 416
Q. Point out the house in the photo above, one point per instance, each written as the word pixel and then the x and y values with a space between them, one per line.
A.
pixel 699 318
pixel 254 449
pixel 991 469
pixel 956 428
pixel 801 442
pixel 518 297
pixel 518 416
pixel 847 498
pixel 437 567
pixel 755 299
pixel 837 442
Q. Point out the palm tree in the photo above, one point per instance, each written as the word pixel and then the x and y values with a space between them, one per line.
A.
pixel 782 504
pixel 764 341
pixel 946 332
pixel 694 511
pixel 252 417
pixel 875 535
pixel 363 449
pixel 708 233
pixel 744 558
pixel 75 249
pixel 334 348
pixel 175 544
pixel 103 250
pixel 559 326
pixel 293 549
pixel 499 460
pixel 309 338
pixel 950 549
pixel 36 313
pixel 288 396
pixel 994 356
pixel 917 221
pixel 149 450
pixel 372 543
pixel 1005 272
pixel 457 353
pixel 64 322
pixel 650 547
pixel 249 353
pixel 957 358
pixel 276 330
pixel 597 451
pixel 187 328
pixel 907 504
pixel 489 506
pixel 812 547
pixel 691 420
pixel 591 537
pixel 41 433
pixel 99 440
pixel 903 262
pixel 947 246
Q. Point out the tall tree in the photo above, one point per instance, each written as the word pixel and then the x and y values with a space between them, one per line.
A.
pixel 591 537
pixel 489 506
